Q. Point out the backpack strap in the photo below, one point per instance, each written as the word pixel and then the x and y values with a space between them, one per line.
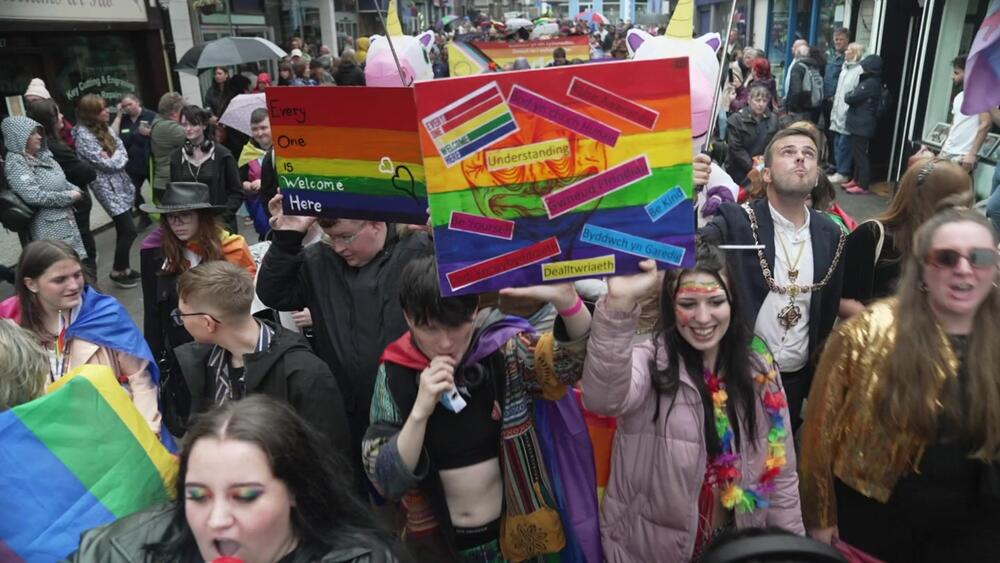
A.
pixel 881 241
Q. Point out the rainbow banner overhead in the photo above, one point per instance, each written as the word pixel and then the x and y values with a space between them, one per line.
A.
pixel 551 175
pixel 79 457
pixel 350 153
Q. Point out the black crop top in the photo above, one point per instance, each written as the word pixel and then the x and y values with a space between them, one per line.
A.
pixel 454 440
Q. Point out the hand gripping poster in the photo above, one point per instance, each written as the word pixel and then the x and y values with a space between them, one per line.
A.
pixel 348 153
pixel 552 175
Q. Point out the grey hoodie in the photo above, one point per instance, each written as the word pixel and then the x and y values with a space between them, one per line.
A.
pixel 40 182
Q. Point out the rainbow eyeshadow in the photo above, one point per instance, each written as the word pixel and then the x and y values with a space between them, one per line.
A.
pixel 196 493
pixel 247 494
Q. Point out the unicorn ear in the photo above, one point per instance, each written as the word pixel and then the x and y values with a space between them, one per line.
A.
pixel 426 40
pixel 713 40
pixel 635 38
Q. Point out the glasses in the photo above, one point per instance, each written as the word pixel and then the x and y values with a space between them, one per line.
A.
pixel 178 317
pixel 981 258
pixel 180 218
pixel 345 240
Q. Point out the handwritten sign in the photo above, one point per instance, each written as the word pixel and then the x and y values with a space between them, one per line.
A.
pixel 348 153
pixel 583 175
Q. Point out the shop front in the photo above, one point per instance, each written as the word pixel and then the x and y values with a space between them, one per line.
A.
pixel 78 47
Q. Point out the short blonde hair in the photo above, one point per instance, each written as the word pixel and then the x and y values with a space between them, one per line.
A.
pixel 857 48
pixel 223 286
pixel 24 366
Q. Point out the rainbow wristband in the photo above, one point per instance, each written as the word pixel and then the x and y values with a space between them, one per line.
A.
pixel 574 309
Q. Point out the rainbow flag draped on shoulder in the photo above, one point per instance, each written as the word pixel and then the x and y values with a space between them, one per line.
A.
pixel 79 457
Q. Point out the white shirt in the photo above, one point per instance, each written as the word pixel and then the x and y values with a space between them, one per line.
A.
pixel 790 347
pixel 963 129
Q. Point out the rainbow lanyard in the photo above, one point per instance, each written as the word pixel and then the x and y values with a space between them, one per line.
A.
pixel 61 358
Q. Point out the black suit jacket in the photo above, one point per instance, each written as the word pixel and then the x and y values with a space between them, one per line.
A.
pixel 732 226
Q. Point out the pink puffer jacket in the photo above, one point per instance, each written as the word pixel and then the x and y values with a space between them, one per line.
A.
pixel 650 507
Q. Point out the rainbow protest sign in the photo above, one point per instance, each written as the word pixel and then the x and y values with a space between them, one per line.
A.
pixel 465 59
pixel 79 457
pixel 557 174
pixel 350 153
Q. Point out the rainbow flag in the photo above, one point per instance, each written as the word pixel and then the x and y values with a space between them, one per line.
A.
pixel 556 174
pixel 79 457
pixel 350 153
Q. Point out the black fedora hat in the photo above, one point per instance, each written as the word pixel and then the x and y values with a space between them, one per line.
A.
pixel 182 196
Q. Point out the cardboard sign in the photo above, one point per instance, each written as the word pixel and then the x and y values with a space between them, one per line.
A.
pixel 465 59
pixel 558 174
pixel 348 153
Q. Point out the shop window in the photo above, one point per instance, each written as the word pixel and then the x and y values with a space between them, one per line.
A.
pixel 85 64
pixel 16 71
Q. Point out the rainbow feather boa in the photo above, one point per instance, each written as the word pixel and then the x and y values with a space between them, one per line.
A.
pixel 723 471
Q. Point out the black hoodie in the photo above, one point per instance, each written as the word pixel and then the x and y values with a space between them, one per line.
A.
pixel 863 100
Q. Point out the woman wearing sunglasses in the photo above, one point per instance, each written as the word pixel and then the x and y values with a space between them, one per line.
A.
pixel 190 232
pixel 902 430
pixel 874 252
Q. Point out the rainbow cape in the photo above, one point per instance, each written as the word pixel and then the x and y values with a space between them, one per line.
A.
pixel 79 457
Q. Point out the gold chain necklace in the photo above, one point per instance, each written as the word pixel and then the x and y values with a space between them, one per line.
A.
pixel 790 315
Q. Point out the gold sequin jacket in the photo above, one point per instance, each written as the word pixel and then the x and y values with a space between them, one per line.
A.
pixel 840 436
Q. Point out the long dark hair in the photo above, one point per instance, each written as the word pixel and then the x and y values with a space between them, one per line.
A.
pixel 327 515
pixel 35 259
pixel 732 363
pixel 46 113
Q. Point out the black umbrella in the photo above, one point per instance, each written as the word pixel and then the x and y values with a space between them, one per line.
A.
pixel 229 51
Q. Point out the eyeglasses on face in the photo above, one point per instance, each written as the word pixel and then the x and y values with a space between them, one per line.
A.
pixel 345 240
pixel 178 317
pixel 182 218
pixel 981 258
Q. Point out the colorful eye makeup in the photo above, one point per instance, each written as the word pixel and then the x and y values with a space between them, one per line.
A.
pixel 197 493
pixel 247 494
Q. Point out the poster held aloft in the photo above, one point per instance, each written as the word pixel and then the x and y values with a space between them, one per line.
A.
pixel 348 153
pixel 563 173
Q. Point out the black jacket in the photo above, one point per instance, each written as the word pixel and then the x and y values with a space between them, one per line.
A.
pixel 747 137
pixel 136 144
pixel 732 226
pixel 863 100
pixel 287 371
pixel 78 172
pixel 224 185
pixel 349 74
pixel 797 100
pixel 355 311
pixel 122 541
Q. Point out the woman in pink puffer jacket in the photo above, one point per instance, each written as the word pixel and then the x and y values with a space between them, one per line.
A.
pixel 703 444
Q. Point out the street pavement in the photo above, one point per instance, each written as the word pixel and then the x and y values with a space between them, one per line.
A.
pixel 861 207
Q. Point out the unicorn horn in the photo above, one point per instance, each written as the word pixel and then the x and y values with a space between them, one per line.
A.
pixel 393 27
pixel 681 24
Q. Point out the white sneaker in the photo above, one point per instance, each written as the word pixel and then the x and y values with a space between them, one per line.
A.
pixel 837 178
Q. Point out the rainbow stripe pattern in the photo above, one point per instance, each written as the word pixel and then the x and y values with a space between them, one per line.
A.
pixel 349 153
pixel 594 172
pixel 79 457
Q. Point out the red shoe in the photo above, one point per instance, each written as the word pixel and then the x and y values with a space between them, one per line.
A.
pixel 849 184
pixel 856 190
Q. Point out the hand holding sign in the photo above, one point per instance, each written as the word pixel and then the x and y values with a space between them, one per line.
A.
pixel 625 291
pixel 281 222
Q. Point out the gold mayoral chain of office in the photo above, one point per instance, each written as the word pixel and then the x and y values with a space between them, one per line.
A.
pixel 790 314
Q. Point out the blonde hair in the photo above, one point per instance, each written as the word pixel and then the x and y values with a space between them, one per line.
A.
pixel 857 48
pixel 24 365
pixel 221 285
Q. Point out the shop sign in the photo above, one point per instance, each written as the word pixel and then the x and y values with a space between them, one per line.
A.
pixel 74 10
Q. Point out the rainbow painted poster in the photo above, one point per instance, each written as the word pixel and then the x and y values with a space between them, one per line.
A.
pixel 74 459
pixel 557 174
pixel 349 153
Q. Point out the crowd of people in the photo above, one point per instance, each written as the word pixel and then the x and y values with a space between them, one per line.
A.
pixel 807 377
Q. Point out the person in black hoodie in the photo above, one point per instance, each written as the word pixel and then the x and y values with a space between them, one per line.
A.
pixel 78 172
pixel 862 116
pixel 236 355
pixel 350 283
pixel 349 72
